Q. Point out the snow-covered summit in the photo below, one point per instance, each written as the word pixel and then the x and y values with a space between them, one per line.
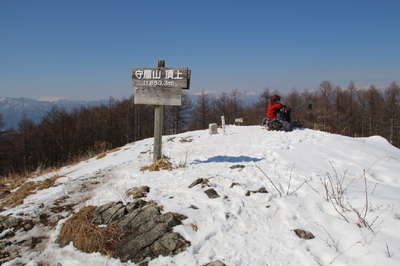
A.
pixel 243 227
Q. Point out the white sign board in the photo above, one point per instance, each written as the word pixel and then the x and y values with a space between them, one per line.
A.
pixel 160 85
pixel 158 96
pixel 167 77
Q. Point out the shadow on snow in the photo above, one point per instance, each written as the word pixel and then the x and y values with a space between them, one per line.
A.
pixel 229 159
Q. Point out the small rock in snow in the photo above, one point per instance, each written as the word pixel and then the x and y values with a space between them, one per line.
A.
pixel 260 190
pixel 215 263
pixel 203 181
pixel 237 166
pixel 138 192
pixel 211 193
pixel 234 184
pixel 304 234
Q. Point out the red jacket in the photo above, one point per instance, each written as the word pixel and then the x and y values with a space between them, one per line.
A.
pixel 272 109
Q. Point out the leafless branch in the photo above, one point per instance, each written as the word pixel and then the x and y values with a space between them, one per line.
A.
pixel 270 180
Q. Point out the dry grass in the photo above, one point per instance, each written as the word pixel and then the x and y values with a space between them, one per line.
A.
pixel 162 164
pixel 194 227
pixel 86 236
pixel 104 153
pixel 17 197
pixel 12 181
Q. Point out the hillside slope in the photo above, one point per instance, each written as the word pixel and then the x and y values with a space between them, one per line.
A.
pixel 241 227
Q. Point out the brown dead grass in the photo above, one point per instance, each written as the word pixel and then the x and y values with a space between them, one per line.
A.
pixel 86 236
pixel 162 164
pixel 13 181
pixel 28 188
pixel 194 227
pixel 104 153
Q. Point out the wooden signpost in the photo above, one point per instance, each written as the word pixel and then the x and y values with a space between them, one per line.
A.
pixel 160 86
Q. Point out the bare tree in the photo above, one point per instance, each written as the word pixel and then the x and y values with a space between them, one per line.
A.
pixel 202 112
pixel 1 121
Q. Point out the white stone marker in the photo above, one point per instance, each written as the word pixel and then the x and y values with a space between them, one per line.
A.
pixel 213 128
pixel 223 124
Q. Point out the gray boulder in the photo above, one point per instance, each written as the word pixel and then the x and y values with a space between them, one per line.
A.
pixel 211 193
pixel 144 233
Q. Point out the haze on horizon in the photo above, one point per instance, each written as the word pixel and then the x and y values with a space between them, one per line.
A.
pixel 86 49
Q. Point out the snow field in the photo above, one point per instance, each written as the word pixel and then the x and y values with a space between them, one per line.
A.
pixel 255 229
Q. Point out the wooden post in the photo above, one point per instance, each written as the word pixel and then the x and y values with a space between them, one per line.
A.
pixel 159 86
pixel 158 126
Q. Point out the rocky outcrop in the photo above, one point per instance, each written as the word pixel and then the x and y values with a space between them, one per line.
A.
pixel 141 231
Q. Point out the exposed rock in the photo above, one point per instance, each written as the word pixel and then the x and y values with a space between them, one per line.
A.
pixel 141 231
pixel 37 240
pixel 215 263
pixel 211 193
pixel 10 222
pixel 169 243
pixel 237 166
pixel 203 181
pixel 234 184
pixel 194 207
pixel 138 192
pixel 27 225
pixel 44 219
pixel 109 213
pixel 260 190
pixel 303 234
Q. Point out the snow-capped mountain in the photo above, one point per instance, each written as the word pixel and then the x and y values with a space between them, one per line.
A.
pixel 247 195
pixel 13 109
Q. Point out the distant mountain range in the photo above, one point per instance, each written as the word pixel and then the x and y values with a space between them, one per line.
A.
pixel 13 109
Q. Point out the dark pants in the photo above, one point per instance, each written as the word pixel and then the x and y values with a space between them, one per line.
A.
pixel 285 115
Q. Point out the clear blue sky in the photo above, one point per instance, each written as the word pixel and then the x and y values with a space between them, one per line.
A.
pixel 86 49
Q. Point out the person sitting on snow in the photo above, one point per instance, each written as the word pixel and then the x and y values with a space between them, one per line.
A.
pixel 278 115
pixel 275 109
